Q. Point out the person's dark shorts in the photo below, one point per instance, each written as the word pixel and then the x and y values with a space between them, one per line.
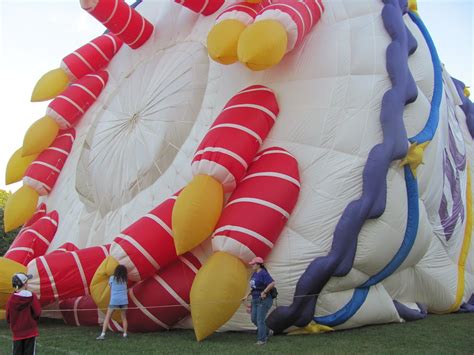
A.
pixel 118 306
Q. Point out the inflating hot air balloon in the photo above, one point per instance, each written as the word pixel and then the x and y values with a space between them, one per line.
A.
pixel 323 136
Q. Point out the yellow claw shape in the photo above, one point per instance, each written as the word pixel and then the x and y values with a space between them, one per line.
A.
pixel 8 268
pixel 262 44
pixel 39 136
pixel 222 41
pixel 467 91
pixel 219 285
pixel 99 287
pixel 414 157
pixel 413 6
pixel 196 212
pixel 17 166
pixel 312 328
pixel 50 85
pixel 20 207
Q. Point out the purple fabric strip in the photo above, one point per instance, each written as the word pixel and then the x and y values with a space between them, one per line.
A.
pixel 371 204
pixel 410 314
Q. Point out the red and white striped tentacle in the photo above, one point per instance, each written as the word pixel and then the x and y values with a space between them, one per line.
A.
pixel 40 212
pixel 242 11
pixel 162 300
pixel 123 21
pixel 66 247
pixel 69 107
pixel 236 135
pixel 91 57
pixel 260 206
pixel 204 7
pixel 80 311
pixel 34 241
pixel 44 171
pixel 298 17
pixel 147 245
pixel 60 276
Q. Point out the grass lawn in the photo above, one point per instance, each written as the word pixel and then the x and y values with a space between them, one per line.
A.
pixel 436 335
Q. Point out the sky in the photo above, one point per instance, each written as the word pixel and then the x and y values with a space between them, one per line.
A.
pixel 35 35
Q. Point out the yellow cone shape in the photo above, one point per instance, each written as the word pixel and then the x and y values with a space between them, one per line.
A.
pixel 312 328
pixel 17 166
pixel 262 44
pixel 222 41
pixel 99 287
pixel 196 212
pixel 217 292
pixel 40 136
pixel 254 1
pixel 467 92
pixel 2 314
pixel 50 85
pixel 20 207
pixel 7 269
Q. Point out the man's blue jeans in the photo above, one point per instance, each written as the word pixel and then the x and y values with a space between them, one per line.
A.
pixel 260 308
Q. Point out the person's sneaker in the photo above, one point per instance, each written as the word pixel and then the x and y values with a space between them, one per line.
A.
pixel 125 335
pixel 270 332
pixel 260 343
pixel 101 337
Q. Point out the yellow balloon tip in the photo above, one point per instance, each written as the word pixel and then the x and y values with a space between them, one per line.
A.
pixel 262 44
pixel 39 136
pixel 222 41
pixel 17 166
pixel 50 85
pixel 196 212
pixel 219 284
pixel 7 269
pixel 20 207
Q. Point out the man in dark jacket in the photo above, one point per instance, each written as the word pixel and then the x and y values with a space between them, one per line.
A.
pixel 22 313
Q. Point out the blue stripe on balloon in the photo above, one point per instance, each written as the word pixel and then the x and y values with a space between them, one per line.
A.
pixel 360 294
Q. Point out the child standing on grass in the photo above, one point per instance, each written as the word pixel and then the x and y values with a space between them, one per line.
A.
pixel 118 299
pixel 22 312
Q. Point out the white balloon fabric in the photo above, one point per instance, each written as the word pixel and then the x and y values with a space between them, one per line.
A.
pixel 363 93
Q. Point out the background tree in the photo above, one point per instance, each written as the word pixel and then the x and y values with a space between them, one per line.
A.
pixel 5 238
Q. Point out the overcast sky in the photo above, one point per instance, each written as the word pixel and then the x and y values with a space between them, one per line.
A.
pixel 36 34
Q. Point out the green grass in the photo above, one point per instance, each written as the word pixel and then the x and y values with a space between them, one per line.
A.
pixel 435 335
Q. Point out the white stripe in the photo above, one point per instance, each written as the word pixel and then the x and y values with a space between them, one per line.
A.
pixel 299 15
pixel 37 162
pixel 141 32
pixel 39 236
pixel 204 7
pixel 173 198
pixel 239 127
pixel 276 151
pixel 140 249
pixel 309 13
pixel 112 38
pixel 29 250
pixel 68 135
pixel 100 51
pixel 127 23
pixel 98 77
pixel 236 7
pixel 188 263
pixel 58 150
pixel 233 247
pixel 277 175
pixel 104 250
pixel 319 7
pixel 49 219
pixel 258 107
pixel 78 55
pixel 160 222
pixel 86 90
pixel 145 311
pixel 262 203
pixel 223 151
pixel 76 318
pixel 81 271
pixel 247 231
pixel 113 12
pixel 117 325
pixel 171 292
pixel 71 102
pixel 50 276
pixel 255 89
